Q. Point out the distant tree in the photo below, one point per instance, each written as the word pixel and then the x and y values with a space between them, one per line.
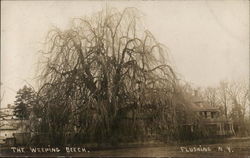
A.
pixel 238 92
pixel 232 97
pixel 24 99
pixel 210 95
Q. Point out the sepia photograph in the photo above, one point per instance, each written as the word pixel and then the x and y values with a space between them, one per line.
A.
pixel 144 78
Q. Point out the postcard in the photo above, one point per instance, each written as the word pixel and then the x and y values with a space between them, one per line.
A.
pixel 125 79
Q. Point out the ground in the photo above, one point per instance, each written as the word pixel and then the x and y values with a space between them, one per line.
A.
pixel 234 147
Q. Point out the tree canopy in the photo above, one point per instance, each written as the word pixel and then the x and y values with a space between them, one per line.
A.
pixel 101 67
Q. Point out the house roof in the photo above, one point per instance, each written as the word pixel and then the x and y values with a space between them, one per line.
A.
pixel 203 107
pixel 199 105
pixel 8 127
pixel 2 114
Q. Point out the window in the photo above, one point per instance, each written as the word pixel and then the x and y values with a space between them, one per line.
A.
pixel 208 114
pixel 200 113
pixel 213 114
pixel 205 114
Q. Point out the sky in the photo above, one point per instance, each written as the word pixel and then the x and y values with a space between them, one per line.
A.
pixel 208 41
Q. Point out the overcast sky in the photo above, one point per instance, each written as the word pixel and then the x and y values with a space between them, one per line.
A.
pixel 208 40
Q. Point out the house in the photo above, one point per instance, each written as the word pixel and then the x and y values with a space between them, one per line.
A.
pixel 7 113
pixel 7 133
pixel 7 127
pixel 10 127
pixel 208 122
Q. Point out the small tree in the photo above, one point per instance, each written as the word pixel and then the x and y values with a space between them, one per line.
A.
pixel 24 100
pixel 21 111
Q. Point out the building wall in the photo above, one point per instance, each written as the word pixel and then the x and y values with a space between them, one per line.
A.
pixel 8 133
pixel 9 127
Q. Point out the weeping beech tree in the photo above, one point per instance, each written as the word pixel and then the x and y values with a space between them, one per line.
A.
pixel 95 70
